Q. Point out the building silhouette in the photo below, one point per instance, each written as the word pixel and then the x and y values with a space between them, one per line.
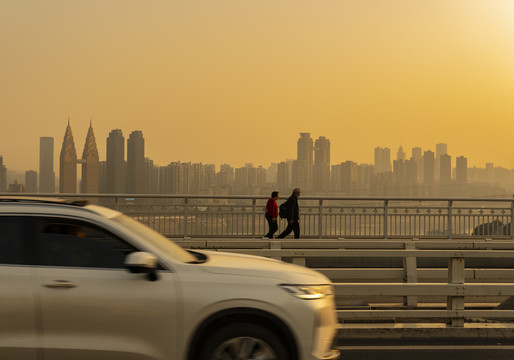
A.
pixel 90 165
pixel 46 165
pixel 151 177
pixel 115 163
pixel 31 181
pixel 16 187
pixel 177 178
pixel 136 163
pixel 445 169
pixel 348 176
pixel 321 176
pixel 199 183
pixel 382 160
pixel 461 170
pixel 440 149
pixel 418 159
pixel 400 155
pixel 283 171
pixel 3 175
pixel 428 167
pixel 303 166
pixel 226 176
pixel 68 164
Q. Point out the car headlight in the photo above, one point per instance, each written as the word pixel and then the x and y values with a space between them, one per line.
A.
pixel 308 292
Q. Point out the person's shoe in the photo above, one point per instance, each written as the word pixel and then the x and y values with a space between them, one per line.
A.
pixel 265 238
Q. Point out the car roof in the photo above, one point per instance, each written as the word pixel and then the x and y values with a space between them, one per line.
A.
pixel 41 200
pixel 55 205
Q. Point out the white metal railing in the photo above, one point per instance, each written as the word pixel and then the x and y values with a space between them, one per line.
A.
pixel 320 217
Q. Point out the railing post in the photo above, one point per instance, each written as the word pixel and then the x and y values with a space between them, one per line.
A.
pixel 275 245
pixel 511 218
pixel 186 214
pixel 456 275
pixel 386 207
pixel 450 227
pixel 254 219
pixel 410 273
pixel 320 220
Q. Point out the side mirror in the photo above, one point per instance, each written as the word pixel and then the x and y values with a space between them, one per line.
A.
pixel 142 262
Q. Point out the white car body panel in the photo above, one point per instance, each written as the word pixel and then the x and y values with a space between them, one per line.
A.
pixel 110 314
pixel 18 328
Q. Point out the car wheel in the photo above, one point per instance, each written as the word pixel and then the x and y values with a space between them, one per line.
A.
pixel 243 341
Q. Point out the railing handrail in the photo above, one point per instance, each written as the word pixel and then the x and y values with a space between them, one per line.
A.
pixel 250 197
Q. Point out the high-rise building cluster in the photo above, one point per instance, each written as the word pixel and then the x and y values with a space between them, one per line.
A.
pixel 128 171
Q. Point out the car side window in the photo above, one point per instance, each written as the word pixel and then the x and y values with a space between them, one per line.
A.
pixel 11 240
pixel 77 244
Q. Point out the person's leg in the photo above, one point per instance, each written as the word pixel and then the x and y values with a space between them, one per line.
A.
pixel 296 229
pixel 286 232
pixel 274 228
pixel 270 227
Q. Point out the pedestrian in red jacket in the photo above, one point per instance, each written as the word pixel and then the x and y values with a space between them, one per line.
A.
pixel 271 215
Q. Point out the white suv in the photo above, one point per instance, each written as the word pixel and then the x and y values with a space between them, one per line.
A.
pixel 85 282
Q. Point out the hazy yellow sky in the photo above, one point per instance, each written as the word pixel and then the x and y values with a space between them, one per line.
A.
pixel 236 80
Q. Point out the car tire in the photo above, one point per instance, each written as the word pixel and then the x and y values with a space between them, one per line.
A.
pixel 243 341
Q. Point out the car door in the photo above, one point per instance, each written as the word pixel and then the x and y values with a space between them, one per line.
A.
pixel 18 335
pixel 91 306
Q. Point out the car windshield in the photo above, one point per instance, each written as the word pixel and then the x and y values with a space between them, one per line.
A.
pixel 164 244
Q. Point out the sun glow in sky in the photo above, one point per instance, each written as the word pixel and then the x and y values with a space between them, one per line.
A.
pixel 233 81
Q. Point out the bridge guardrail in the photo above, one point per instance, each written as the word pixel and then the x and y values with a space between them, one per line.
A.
pixel 320 216
pixel 454 290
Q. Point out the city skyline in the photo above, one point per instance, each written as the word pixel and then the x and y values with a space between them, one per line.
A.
pixel 214 81
pixel 103 150
pixel 424 173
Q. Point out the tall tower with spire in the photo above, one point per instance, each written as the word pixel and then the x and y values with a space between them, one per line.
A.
pixel 90 164
pixel 68 164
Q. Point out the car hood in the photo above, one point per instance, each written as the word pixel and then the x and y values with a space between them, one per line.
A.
pixel 256 266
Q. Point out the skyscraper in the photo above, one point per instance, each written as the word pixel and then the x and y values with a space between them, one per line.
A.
pixel 428 166
pixel 152 177
pixel 283 183
pixel 3 175
pixel 461 171
pixel 31 181
pixel 136 163
pixel 440 149
pixel 348 176
pixel 417 157
pixel 445 169
pixel 90 165
pixel 68 164
pixel 400 155
pixel 115 162
pixel 382 160
pixel 321 174
pixel 226 175
pixel 46 165
pixel 302 167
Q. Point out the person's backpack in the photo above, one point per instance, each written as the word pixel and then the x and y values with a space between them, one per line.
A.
pixel 282 210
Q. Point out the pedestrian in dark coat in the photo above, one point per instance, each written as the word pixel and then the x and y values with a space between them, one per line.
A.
pixel 293 216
